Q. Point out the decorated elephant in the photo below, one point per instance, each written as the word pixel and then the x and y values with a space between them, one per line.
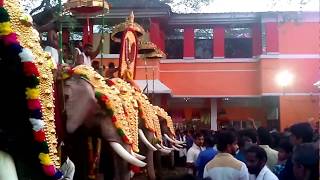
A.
pixel 150 130
pixel 92 104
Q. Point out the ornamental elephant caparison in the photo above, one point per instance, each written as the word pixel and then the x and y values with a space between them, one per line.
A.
pixel 150 130
pixel 84 109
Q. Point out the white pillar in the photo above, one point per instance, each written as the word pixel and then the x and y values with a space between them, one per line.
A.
pixel 213 114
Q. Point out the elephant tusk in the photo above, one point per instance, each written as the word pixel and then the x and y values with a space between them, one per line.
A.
pixel 145 141
pixel 179 142
pixel 158 146
pixel 169 139
pixel 167 148
pixel 165 151
pixel 174 141
pixel 178 146
pixel 175 148
pixel 125 155
pixel 138 156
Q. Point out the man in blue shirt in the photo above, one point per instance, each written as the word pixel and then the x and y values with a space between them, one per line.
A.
pixel 244 143
pixel 206 155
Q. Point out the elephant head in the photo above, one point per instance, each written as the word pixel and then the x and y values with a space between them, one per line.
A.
pixel 149 126
pixel 91 103
pixel 167 128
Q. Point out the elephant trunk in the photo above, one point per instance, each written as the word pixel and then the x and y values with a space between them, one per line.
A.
pixel 125 155
pixel 145 141
pixel 150 166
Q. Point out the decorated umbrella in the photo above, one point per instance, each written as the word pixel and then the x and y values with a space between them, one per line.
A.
pixel 129 24
pixel 88 8
pixel 146 47
pixel 157 54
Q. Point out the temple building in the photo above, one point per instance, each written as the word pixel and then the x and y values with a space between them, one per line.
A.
pixel 220 68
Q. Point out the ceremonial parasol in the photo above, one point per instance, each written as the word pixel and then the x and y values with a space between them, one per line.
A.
pixel 119 29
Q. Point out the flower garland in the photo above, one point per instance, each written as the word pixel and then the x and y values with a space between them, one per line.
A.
pixel 32 93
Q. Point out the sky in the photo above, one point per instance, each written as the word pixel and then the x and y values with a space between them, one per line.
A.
pixel 217 6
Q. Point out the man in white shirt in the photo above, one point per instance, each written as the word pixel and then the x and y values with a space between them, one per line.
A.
pixel 86 57
pixel 224 166
pixel 67 166
pixel 193 153
pixel 52 46
pixel 256 159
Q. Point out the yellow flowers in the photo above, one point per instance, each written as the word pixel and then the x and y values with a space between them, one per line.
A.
pixel 45 159
pixel 32 93
pixel 5 28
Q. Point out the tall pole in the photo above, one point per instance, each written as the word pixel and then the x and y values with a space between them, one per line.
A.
pixel 60 31
pixel 102 34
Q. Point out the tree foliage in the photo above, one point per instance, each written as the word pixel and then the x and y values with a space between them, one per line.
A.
pixel 187 6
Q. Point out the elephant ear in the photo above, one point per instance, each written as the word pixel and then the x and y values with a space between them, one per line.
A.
pixel 81 103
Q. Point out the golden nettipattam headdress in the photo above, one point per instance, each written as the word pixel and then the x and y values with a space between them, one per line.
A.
pixel 119 29
pixel 120 102
pixel 163 114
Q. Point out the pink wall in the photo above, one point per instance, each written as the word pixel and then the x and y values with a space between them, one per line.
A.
pixel 272 36
pixel 218 41
pixel 188 45
pixel 157 35
pixel 296 38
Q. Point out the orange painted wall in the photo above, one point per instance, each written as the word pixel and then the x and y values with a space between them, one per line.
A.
pixel 298 38
pixel 306 73
pixel 211 79
pixel 295 109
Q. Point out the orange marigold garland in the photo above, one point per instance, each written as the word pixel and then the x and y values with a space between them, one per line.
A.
pixel 31 74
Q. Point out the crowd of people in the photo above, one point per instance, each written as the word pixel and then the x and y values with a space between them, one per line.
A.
pixel 255 154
